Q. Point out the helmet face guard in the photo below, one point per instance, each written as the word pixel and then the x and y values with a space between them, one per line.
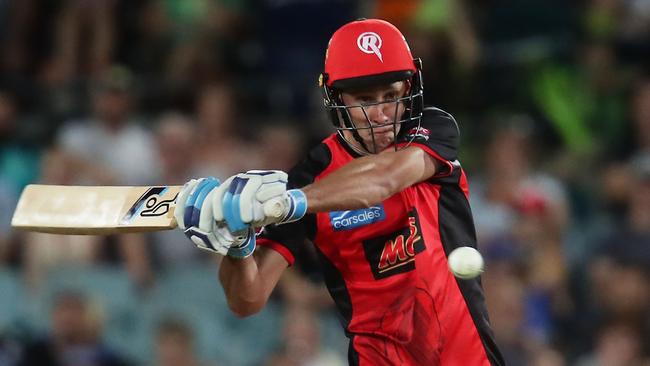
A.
pixel 341 118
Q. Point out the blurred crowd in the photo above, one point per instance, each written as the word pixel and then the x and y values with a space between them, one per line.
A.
pixel 553 101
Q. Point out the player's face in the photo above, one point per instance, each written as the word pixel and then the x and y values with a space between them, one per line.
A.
pixel 376 107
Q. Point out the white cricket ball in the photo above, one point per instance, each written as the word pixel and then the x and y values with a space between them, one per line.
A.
pixel 465 262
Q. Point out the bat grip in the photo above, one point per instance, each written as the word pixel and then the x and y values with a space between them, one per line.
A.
pixel 275 207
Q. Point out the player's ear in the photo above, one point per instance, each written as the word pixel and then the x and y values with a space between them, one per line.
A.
pixel 408 87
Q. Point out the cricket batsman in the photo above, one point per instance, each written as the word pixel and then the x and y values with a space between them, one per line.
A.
pixel 384 201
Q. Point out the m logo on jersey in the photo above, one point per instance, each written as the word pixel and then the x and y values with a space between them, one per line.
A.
pixel 418 133
pixel 370 42
pixel 395 253
pixel 346 220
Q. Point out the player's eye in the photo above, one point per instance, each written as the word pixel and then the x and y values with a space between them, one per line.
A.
pixel 390 96
pixel 365 99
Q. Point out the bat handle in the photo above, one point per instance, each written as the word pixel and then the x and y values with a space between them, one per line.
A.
pixel 275 207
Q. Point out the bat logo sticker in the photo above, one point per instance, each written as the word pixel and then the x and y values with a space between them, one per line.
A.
pixel 150 204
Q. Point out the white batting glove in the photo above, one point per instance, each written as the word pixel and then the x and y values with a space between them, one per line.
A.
pixel 194 215
pixel 241 200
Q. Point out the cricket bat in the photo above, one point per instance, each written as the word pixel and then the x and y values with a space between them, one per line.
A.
pixel 101 210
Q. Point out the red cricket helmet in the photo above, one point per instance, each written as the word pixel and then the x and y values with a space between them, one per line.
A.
pixel 365 53
pixel 367 48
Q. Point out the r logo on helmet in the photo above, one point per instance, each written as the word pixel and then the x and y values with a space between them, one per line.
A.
pixel 370 42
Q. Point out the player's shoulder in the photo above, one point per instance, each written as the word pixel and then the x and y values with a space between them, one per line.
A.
pixel 437 130
pixel 439 118
pixel 312 165
pixel 434 126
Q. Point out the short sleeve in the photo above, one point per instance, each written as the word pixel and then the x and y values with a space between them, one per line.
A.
pixel 285 239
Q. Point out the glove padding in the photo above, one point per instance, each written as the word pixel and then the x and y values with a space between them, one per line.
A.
pixel 194 215
pixel 240 200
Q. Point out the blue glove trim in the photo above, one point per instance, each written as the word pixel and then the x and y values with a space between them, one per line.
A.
pixel 298 205
pixel 189 203
pixel 192 231
pixel 230 205
pixel 245 249
pixel 195 200
pixel 200 199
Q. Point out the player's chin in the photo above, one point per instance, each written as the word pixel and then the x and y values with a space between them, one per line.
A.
pixel 383 143
pixel 386 137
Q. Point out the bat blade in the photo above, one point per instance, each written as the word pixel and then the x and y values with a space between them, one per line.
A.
pixel 95 210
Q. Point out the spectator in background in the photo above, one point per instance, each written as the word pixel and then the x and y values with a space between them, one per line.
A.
pixel 631 240
pixel 510 176
pixel 147 50
pixel 292 36
pixel 112 148
pixel 442 33
pixel 19 164
pixel 175 344
pixel 174 135
pixel 616 180
pixel 620 272
pixel 111 140
pixel 583 97
pixel 19 161
pixel 539 241
pixel 85 39
pixel 509 305
pixel 302 289
pixel 301 344
pixel 75 337
pixel 280 146
pixel 617 344
pixel 220 147
pixel 506 304
pixel 43 252
pixel 181 44
pixel 25 37
pixel 200 30
pixel 625 22
pixel 521 216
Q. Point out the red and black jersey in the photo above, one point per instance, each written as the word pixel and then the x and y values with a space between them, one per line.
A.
pixel 386 265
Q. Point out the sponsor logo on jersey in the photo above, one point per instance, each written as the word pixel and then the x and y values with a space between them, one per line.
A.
pixel 346 220
pixel 395 253
pixel 418 133
pixel 370 42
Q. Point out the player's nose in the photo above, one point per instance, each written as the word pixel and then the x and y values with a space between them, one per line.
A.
pixel 377 115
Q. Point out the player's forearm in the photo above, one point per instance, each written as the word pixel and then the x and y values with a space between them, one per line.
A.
pixel 361 183
pixel 242 285
pixel 369 180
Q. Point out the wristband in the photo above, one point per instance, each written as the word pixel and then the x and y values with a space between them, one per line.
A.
pixel 297 206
